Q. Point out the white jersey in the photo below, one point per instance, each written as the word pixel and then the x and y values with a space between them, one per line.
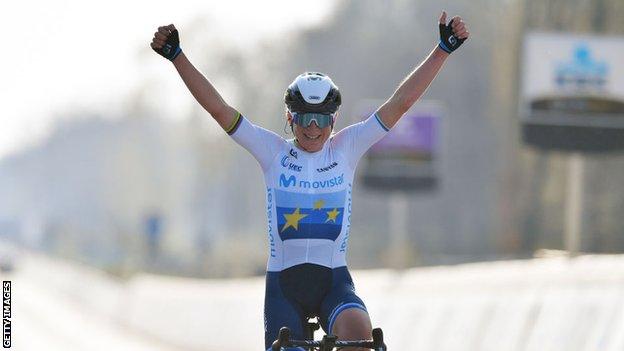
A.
pixel 308 195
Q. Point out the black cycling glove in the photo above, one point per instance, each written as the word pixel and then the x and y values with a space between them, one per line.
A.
pixel 171 49
pixel 448 41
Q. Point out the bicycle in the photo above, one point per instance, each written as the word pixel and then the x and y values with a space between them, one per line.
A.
pixel 328 343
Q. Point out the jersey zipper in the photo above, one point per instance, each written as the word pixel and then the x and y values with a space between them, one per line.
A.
pixel 308 168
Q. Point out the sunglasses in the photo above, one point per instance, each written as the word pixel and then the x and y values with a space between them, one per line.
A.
pixel 305 119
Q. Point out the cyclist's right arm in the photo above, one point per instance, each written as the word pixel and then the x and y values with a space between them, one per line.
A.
pixel 166 43
pixel 261 143
pixel 205 93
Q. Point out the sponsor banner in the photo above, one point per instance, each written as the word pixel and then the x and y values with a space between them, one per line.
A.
pixel 407 157
pixel 572 80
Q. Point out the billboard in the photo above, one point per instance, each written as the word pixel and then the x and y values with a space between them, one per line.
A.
pixel 572 92
pixel 407 157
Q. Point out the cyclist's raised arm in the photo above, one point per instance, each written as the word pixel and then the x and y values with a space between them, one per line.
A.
pixel 261 143
pixel 452 35
pixel 166 42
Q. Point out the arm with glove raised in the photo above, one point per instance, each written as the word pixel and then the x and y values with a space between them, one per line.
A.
pixel 452 36
pixel 166 42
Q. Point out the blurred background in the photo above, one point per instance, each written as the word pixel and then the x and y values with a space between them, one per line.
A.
pixel 115 184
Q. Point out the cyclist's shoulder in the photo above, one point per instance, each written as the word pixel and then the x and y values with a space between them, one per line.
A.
pixel 262 134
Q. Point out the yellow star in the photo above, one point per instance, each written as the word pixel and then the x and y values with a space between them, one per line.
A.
pixel 332 215
pixel 292 220
pixel 319 204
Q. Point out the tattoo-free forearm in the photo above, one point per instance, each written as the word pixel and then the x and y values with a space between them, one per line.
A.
pixel 204 92
pixel 412 87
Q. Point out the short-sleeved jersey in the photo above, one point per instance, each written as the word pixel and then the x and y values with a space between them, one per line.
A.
pixel 308 195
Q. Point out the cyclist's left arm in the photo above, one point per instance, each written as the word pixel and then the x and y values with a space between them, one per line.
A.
pixel 415 84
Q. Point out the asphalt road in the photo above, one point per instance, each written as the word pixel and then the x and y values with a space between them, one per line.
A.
pixel 46 319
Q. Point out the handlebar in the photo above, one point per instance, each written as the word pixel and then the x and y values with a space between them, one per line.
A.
pixel 329 342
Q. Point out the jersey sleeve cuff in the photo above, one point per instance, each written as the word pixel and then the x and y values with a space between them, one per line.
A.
pixel 381 123
pixel 235 124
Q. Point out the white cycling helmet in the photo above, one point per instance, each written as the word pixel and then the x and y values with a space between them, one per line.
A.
pixel 312 92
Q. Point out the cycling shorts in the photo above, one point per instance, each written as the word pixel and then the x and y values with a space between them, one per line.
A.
pixel 305 291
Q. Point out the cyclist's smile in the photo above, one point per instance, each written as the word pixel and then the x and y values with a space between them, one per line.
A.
pixel 311 138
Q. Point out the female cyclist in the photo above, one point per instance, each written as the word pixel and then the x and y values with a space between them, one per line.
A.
pixel 308 184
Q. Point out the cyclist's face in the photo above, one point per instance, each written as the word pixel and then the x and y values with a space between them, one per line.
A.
pixel 311 138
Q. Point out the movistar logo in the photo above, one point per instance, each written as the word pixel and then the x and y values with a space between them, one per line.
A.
pixel 307 184
pixel 287 182
pixel 270 221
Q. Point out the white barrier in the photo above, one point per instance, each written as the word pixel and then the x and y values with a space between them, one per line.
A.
pixel 547 304
pixel 543 304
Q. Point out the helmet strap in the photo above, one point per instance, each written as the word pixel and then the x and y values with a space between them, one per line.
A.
pixel 288 121
pixel 292 129
pixel 286 130
pixel 299 145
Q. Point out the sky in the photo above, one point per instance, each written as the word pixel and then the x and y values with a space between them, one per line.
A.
pixel 82 55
